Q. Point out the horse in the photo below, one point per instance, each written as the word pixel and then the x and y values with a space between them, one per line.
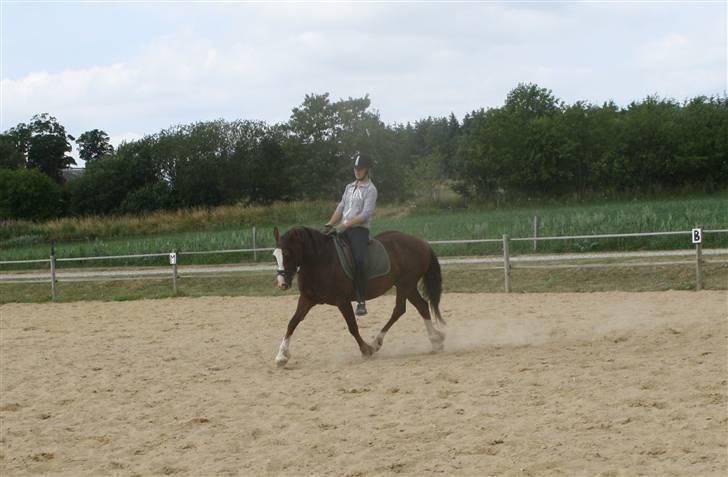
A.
pixel 321 280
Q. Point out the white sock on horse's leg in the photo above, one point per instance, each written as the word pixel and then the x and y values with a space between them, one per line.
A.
pixel 436 337
pixel 283 353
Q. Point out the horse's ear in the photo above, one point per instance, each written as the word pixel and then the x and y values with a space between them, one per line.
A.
pixel 275 234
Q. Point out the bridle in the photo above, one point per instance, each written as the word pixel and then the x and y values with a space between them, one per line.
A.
pixel 287 276
pixel 280 269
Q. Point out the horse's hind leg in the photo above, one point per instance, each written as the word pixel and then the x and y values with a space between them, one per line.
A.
pixel 348 313
pixel 437 337
pixel 399 308
pixel 304 306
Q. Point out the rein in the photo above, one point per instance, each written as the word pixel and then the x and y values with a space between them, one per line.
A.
pixel 314 247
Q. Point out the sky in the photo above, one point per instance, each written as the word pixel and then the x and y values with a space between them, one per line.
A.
pixel 133 68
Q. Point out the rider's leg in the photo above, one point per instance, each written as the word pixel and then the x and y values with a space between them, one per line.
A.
pixel 359 239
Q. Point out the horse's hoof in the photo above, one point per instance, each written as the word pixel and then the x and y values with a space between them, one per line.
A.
pixel 378 342
pixel 367 351
pixel 282 359
pixel 438 342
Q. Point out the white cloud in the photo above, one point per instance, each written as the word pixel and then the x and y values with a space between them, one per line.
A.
pixel 124 137
pixel 258 61
pixel 676 51
pixel 171 77
pixel 678 64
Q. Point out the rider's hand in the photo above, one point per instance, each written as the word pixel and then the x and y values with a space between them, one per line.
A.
pixel 341 228
pixel 328 229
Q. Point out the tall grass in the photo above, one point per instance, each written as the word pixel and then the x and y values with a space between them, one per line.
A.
pixel 18 233
pixel 597 218
pixel 231 228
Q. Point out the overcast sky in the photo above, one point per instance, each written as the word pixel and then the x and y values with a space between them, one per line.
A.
pixel 134 68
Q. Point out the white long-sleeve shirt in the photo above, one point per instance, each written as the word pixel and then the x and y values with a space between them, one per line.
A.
pixel 359 199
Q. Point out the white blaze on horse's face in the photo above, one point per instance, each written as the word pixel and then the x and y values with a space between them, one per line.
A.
pixel 281 282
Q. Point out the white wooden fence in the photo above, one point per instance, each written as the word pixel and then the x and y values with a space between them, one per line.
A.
pixel 507 262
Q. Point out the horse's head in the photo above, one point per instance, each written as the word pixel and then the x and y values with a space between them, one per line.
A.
pixel 288 255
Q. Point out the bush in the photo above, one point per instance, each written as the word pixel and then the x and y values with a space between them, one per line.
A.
pixel 29 194
pixel 104 186
pixel 149 198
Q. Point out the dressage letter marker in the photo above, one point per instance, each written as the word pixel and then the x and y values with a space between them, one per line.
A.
pixel 173 258
pixel 697 235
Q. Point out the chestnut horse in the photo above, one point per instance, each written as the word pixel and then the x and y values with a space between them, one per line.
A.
pixel 321 280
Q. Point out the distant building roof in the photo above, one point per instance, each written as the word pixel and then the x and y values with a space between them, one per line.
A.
pixel 72 172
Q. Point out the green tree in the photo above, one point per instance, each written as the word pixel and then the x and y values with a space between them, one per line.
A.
pixel 144 161
pixel 598 133
pixel 148 198
pixel 264 172
pixel 10 156
pixel 204 163
pixel 45 144
pixel 94 144
pixel 312 148
pixel 323 136
pixel 648 144
pixel 531 101
pixel 48 154
pixel 486 151
pixel 103 186
pixel 109 180
pixel 29 194
pixel 701 160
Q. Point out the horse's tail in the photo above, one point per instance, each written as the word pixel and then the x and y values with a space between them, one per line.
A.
pixel 433 286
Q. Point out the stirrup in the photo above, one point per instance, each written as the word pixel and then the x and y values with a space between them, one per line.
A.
pixel 361 309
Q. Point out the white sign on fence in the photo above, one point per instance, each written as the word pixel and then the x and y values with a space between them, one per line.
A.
pixel 697 235
pixel 172 258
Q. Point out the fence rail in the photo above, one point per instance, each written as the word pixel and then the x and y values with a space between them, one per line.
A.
pixel 507 261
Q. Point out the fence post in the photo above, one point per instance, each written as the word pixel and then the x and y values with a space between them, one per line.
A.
pixel 173 262
pixel 53 270
pixel 699 262
pixel 255 252
pixel 507 261
pixel 535 231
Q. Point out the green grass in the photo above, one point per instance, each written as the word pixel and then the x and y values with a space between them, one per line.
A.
pixel 231 228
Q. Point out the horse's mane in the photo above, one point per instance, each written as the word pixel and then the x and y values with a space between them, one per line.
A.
pixel 314 242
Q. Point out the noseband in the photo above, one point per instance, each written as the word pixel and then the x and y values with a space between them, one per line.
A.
pixel 287 276
pixel 280 270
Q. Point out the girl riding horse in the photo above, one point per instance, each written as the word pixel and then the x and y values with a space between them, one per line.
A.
pixel 321 280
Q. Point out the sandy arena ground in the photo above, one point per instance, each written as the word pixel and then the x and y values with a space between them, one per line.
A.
pixel 568 384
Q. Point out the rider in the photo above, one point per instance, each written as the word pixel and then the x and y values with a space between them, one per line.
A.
pixel 356 209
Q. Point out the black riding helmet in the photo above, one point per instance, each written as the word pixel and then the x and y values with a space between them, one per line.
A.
pixel 362 160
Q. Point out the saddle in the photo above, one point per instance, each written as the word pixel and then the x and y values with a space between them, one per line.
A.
pixel 377 265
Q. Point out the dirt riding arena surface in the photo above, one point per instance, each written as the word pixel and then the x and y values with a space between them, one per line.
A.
pixel 542 384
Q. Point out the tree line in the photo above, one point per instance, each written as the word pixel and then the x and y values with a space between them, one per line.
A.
pixel 533 146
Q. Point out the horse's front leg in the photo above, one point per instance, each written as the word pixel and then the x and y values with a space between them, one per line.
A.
pixel 304 306
pixel 348 313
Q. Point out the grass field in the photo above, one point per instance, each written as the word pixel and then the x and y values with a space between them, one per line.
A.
pixel 231 228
